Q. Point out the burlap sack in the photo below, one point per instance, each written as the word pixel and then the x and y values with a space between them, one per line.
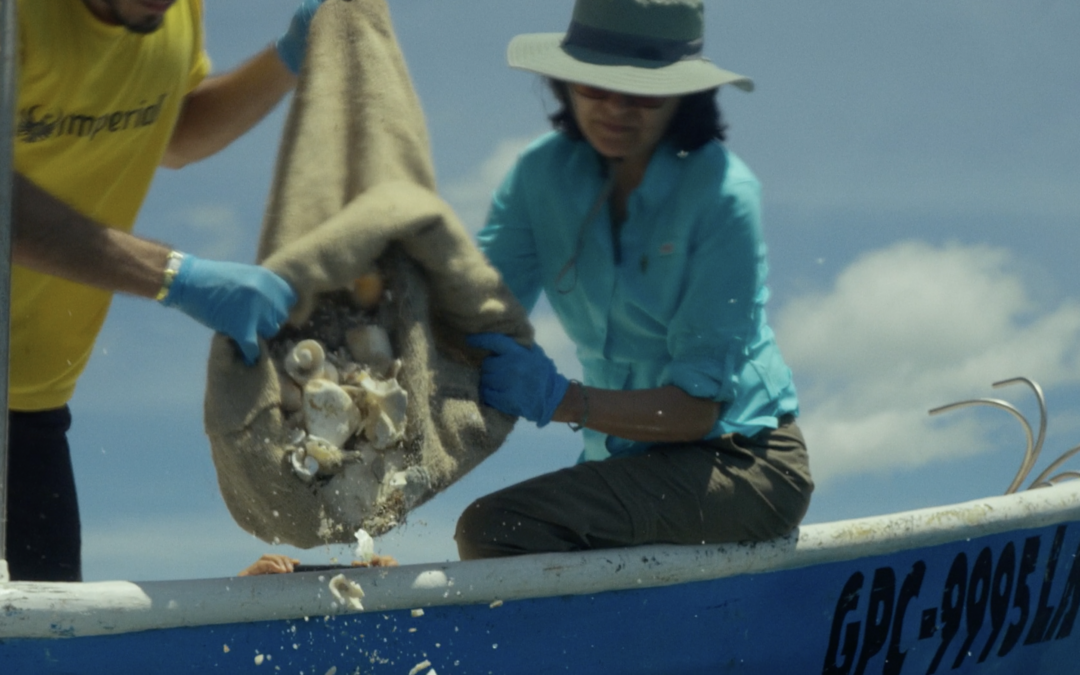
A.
pixel 355 192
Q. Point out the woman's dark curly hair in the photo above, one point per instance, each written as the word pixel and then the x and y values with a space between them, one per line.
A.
pixel 697 121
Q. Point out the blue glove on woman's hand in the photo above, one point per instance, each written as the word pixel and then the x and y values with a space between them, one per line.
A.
pixel 292 46
pixel 518 380
pixel 245 302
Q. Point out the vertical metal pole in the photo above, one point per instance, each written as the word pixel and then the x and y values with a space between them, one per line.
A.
pixel 8 86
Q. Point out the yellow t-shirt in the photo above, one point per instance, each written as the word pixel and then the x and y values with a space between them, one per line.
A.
pixel 96 108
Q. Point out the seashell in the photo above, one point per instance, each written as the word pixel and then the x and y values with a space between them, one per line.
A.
pixel 305 361
pixel 303 465
pixel 368 290
pixel 365 546
pixel 329 412
pixel 385 407
pixel 346 592
pixel 292 396
pixel 370 345
pixel 328 456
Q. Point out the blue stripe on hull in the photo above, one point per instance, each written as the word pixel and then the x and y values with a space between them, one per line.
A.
pixel 1004 603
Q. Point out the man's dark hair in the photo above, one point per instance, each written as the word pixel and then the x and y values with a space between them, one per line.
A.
pixel 697 121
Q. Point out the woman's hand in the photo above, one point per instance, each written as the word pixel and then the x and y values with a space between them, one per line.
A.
pixel 518 380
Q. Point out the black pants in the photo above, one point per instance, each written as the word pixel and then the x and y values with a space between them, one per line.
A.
pixel 729 489
pixel 43 533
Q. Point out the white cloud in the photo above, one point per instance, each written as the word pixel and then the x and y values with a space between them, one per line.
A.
pixel 470 195
pixel 909 328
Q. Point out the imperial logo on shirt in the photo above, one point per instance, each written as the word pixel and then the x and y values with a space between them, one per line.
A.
pixel 37 124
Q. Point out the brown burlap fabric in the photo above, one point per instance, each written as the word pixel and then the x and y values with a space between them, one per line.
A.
pixel 355 192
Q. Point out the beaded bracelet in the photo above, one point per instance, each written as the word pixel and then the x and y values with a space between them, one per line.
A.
pixel 584 406
pixel 172 267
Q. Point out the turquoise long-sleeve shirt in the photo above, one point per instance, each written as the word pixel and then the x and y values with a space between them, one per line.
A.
pixel 676 297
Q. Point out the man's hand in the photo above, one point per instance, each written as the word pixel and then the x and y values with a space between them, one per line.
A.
pixel 517 380
pixel 270 563
pixel 245 302
pixel 292 46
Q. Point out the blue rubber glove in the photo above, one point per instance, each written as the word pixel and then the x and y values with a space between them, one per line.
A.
pixel 292 46
pixel 518 380
pixel 245 302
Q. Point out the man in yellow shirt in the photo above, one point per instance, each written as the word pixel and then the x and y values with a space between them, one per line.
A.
pixel 109 90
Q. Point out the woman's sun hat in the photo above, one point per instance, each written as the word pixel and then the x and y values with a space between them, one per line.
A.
pixel 644 47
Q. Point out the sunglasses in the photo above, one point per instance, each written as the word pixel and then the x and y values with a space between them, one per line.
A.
pixel 598 94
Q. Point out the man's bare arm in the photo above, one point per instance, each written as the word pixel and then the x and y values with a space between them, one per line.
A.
pixel 224 107
pixel 52 238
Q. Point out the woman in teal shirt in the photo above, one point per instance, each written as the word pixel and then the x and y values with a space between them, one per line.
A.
pixel 643 230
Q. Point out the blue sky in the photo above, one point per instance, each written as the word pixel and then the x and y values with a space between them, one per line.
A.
pixel 921 200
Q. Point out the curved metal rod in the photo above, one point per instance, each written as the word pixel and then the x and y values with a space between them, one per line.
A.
pixel 1064 475
pixel 1025 466
pixel 1033 456
pixel 1043 481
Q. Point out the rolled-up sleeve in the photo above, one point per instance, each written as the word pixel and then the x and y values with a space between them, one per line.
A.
pixel 716 321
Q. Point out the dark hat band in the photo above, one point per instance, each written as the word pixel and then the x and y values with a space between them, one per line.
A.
pixel 631 46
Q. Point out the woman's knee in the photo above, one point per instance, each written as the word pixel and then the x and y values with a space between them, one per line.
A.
pixel 477 533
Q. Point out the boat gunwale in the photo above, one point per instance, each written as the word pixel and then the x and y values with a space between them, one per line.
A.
pixel 57 610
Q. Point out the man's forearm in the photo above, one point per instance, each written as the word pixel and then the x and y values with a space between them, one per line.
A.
pixel 224 107
pixel 52 238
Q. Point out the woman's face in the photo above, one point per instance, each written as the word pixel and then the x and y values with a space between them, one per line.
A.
pixel 622 126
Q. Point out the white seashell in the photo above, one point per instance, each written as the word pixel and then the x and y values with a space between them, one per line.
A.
pixel 303 466
pixel 348 593
pixel 385 407
pixel 329 412
pixel 305 361
pixel 365 546
pixel 370 345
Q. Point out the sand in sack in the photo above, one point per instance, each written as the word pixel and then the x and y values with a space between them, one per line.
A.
pixel 354 195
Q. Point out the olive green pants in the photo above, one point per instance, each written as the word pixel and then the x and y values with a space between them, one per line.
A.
pixel 728 489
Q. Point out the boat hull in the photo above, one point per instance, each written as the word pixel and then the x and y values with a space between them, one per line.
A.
pixel 838 599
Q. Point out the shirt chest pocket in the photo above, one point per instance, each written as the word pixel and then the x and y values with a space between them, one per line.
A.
pixel 653 279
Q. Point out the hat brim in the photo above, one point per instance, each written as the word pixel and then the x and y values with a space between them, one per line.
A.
pixel 545 54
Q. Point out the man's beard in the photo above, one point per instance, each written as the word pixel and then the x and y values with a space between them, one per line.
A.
pixel 147 25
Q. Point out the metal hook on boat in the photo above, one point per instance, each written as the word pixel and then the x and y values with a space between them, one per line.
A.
pixel 1034 442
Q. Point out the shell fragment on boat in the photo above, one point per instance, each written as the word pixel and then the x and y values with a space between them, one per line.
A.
pixel 347 593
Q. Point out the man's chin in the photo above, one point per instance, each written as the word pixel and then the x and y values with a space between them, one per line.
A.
pixel 147 25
